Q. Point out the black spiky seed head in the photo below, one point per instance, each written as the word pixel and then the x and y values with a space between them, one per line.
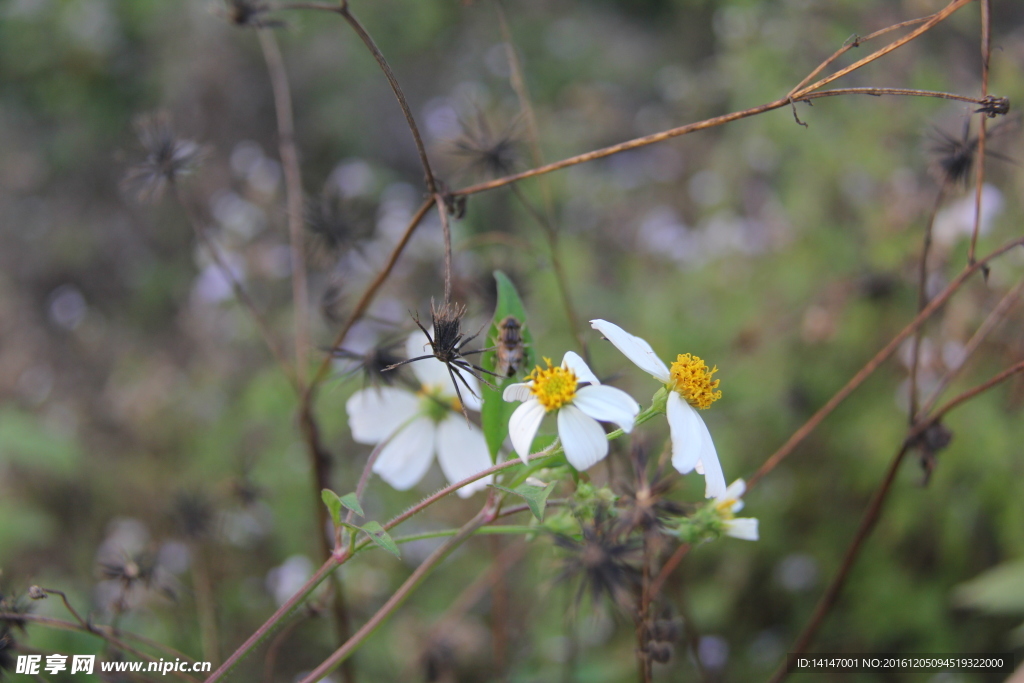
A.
pixel 131 571
pixel 954 156
pixel 374 363
pixel 168 158
pixel 484 151
pixel 644 504
pixel 604 562
pixel 334 225
pixel 7 648
pixel 447 324
pixel 251 14
pixel 193 513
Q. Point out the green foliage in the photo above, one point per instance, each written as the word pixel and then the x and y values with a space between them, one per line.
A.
pixel 536 497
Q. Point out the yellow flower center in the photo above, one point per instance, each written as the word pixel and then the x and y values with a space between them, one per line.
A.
pixel 553 386
pixel 725 507
pixel 691 379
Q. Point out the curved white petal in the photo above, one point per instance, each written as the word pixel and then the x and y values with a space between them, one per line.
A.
pixel 572 360
pixel 407 456
pixel 744 528
pixel 714 477
pixel 608 404
pixel 523 426
pixel 462 452
pixel 634 348
pixel 517 392
pixel 582 438
pixel 376 413
pixel 685 428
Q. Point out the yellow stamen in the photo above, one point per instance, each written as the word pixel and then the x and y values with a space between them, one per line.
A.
pixel 691 379
pixel 725 507
pixel 553 386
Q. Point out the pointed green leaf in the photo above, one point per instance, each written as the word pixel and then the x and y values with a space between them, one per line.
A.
pixel 536 497
pixel 381 538
pixel 495 414
pixel 350 501
pixel 333 504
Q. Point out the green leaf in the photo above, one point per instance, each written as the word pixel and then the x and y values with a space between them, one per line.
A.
pixel 536 497
pixel 351 501
pixel 1000 590
pixel 333 504
pixel 496 412
pixel 380 537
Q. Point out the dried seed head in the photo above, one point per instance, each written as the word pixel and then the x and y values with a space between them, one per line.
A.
pixel 955 156
pixel 660 652
pixel 168 158
pixel 193 512
pixel 373 363
pixel 447 323
pixel 7 649
pixel 13 605
pixel 131 571
pixel 251 14
pixel 485 152
pixel 602 561
pixel 335 225
pixel 644 504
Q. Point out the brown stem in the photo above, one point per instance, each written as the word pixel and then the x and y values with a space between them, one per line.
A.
pixel 827 600
pixel 400 595
pixel 800 434
pixel 873 512
pixel 694 127
pixel 446 231
pixel 986 54
pixel 293 194
pixel 396 88
pixel 926 26
pixel 666 569
pixel 986 327
pixel 643 658
pixel 205 605
pixel 106 633
pixel 922 299
pixel 856 41
pixel 270 660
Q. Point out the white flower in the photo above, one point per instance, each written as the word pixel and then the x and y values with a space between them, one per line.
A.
pixel 689 387
pixel 731 502
pixel 417 425
pixel 580 399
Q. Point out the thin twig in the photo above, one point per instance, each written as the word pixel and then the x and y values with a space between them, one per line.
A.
pixel 346 13
pixel 400 595
pixel 926 26
pixel 986 327
pixel 986 55
pixel 872 513
pixel 666 569
pixel 692 128
pixel 293 195
pixel 446 231
pixel 856 41
pixel 922 299
pixel 800 434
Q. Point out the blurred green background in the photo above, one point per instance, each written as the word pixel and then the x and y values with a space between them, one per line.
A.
pixel 142 420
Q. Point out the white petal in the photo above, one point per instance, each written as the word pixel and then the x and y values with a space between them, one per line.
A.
pixel 744 528
pixel 377 412
pixel 685 427
pixel 634 348
pixel 517 392
pixel 523 426
pixel 462 452
pixel 583 439
pixel 572 360
pixel 608 404
pixel 714 477
pixel 407 456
